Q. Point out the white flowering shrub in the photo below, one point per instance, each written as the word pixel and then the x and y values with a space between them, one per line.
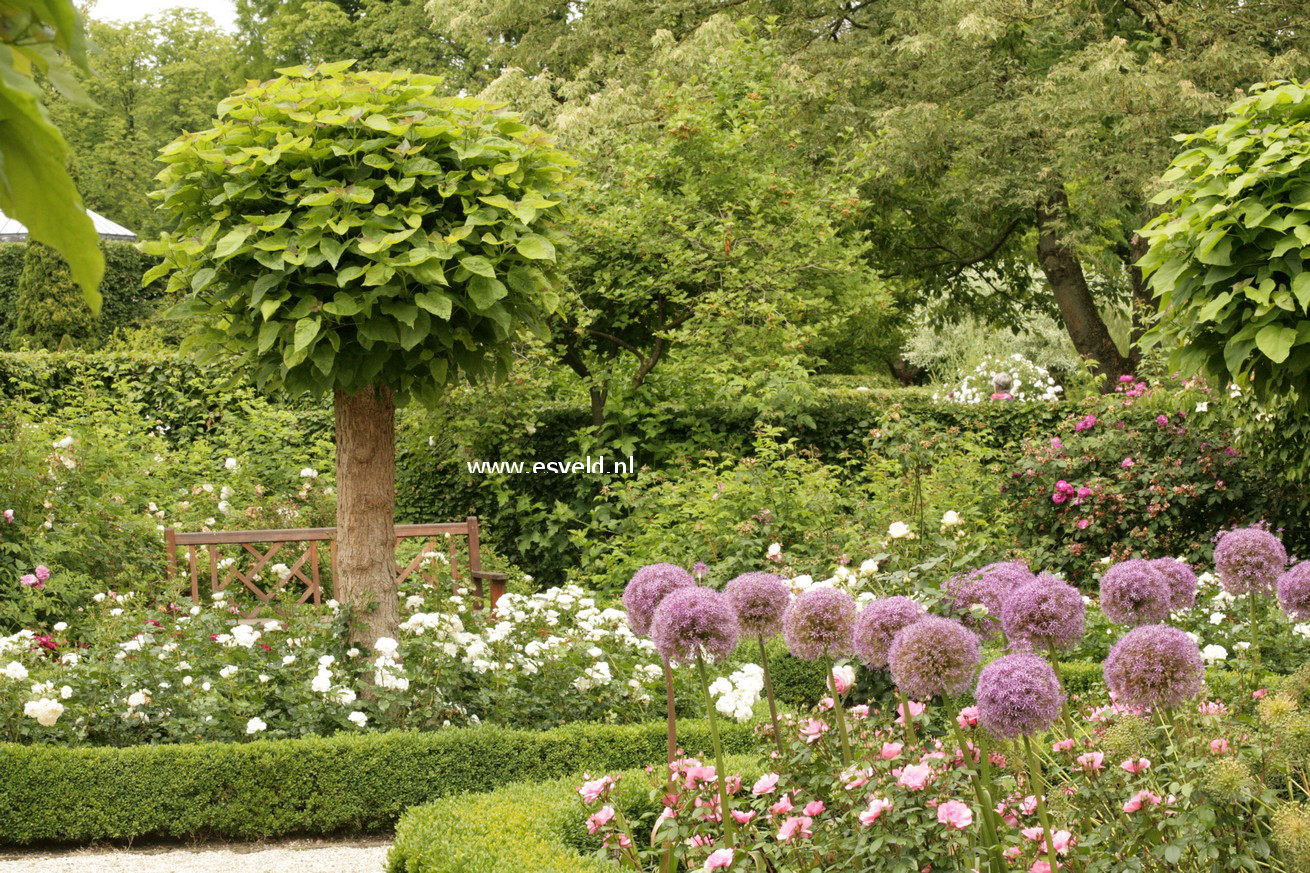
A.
pixel 1029 381
pixel 184 672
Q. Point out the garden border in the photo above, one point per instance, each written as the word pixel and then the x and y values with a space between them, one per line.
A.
pixel 318 785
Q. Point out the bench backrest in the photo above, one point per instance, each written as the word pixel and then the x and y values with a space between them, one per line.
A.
pixel 259 547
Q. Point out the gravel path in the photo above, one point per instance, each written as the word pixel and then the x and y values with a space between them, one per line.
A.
pixel 293 856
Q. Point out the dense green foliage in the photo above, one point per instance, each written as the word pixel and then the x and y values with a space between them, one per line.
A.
pixel 307 786
pixel 328 263
pixel 44 36
pixel 1227 259
pixel 50 312
pixel 126 302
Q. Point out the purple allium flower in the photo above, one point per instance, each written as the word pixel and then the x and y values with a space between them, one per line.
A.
pixel 1294 591
pixel 878 623
pixel 695 621
pixel 1182 582
pixel 760 600
pixel 1249 560
pixel 1135 592
pixel 648 587
pixel 988 586
pixel 933 656
pixel 819 623
pixel 1044 613
pixel 1018 695
pixel 1154 665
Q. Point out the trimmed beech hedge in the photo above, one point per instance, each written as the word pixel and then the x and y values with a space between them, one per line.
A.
pixel 346 783
pixel 525 826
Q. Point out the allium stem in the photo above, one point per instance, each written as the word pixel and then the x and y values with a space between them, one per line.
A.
pixel 666 861
pixel 725 813
pixel 995 862
pixel 909 720
pixel 1255 639
pixel 1039 788
pixel 1064 707
pixel 773 706
pixel 840 708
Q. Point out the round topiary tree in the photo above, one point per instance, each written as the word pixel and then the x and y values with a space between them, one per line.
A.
pixel 51 311
pixel 363 234
pixel 1228 259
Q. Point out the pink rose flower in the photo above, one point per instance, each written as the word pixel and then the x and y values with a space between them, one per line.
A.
pixel 9 516
pixel 1065 745
pixel 1092 761
pixel 877 806
pixel 42 572
pixel 1136 766
pixel 843 678
pixel 813 808
pixel 954 814
pixel 891 751
pixel 765 784
pixel 860 712
pixel 795 826
pixel 718 859
pixel 600 818
pixel 915 776
pixel 1126 463
pixel 782 807
pixel 916 710
pixel 968 717
pixel 743 817
pixel 1219 746
pixel 1141 799
pixel 595 789
pixel 813 729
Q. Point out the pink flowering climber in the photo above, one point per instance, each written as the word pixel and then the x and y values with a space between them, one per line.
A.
pixel 765 784
pixel 915 777
pixel 599 819
pixel 596 789
pixel 1143 798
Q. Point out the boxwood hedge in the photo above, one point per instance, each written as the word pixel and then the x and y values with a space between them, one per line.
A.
pixel 346 783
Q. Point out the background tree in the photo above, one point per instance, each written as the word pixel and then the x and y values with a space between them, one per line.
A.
pixel 361 234
pixel 1009 148
pixel 152 78
pixel 52 313
pixel 35 187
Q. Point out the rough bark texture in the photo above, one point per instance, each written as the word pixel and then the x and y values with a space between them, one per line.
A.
pixel 1065 273
pixel 366 503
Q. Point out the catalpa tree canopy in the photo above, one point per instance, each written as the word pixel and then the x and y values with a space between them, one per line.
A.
pixel 339 229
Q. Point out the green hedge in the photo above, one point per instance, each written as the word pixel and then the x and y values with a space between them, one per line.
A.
pixel 529 518
pixel 346 783
pixel 126 302
pixel 524 826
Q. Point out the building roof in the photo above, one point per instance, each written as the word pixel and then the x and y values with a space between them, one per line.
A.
pixel 12 230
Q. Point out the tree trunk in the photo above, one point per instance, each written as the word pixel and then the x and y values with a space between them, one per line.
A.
pixel 1065 273
pixel 366 505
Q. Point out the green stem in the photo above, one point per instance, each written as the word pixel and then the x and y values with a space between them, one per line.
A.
pixel 667 864
pixel 909 721
pixel 725 812
pixel 773 706
pixel 1064 708
pixel 1039 788
pixel 1255 640
pixel 995 862
pixel 840 709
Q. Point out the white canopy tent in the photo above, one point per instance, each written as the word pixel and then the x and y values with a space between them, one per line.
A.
pixel 13 231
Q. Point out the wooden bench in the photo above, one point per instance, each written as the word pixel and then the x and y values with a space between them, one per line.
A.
pixel 307 567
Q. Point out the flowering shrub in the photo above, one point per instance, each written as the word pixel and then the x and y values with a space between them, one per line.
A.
pixel 1028 382
pixel 1144 472
pixel 184 672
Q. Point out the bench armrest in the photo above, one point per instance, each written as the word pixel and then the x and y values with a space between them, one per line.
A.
pixel 490 575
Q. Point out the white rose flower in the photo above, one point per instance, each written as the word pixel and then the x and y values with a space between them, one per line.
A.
pixel 898 530
pixel 386 645
pixel 1213 653
pixel 45 711
pixel 230 464
pixel 229 671
pixel 16 671
pixel 358 718
pixel 951 519
pixel 255 725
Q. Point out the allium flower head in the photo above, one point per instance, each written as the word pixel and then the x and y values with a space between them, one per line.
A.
pixel 988 586
pixel 933 656
pixel 647 588
pixel 1249 560
pixel 1044 613
pixel 1135 592
pixel 878 623
pixel 760 600
pixel 693 621
pixel 1294 591
pixel 1154 665
pixel 1182 582
pixel 819 623
pixel 1018 695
